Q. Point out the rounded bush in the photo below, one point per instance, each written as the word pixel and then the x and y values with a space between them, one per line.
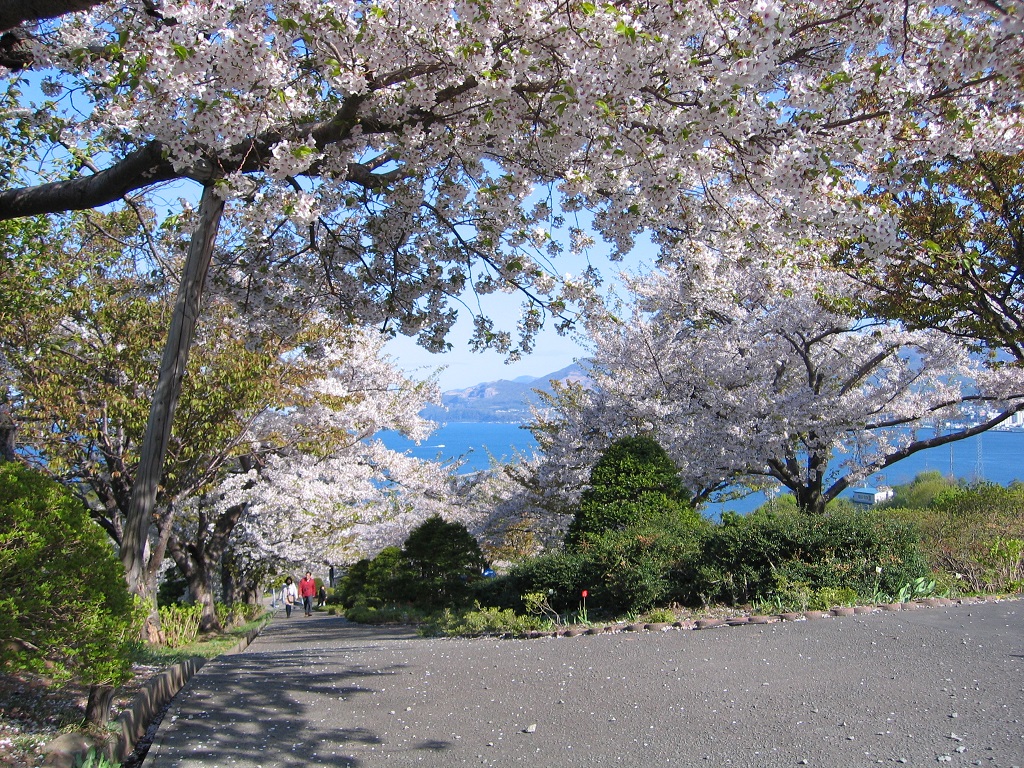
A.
pixel 438 566
pixel 443 559
pixel 65 608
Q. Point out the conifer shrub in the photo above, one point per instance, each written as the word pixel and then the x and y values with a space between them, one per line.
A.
pixel 352 586
pixel 437 567
pixel 633 484
pixel 65 608
pixel 387 578
pixel 444 560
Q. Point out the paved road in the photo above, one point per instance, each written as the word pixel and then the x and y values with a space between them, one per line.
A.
pixel 919 688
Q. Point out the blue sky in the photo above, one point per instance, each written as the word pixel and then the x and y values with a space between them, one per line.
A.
pixel 464 368
pixel 552 352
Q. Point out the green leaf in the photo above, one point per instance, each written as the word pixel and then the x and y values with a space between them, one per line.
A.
pixel 626 30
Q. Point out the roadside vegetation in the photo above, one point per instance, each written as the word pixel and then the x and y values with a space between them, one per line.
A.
pixel 636 550
pixel 70 654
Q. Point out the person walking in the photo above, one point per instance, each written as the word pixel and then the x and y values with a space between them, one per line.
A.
pixel 307 589
pixel 291 596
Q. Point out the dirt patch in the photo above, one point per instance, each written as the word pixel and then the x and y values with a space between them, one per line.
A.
pixel 34 711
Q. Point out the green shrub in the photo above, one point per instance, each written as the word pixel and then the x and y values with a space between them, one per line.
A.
pixel 352 586
pixel 388 576
pixel 235 615
pixel 94 759
pixel 920 492
pixel 624 572
pixel 633 484
pixel 64 605
pixel 756 558
pixel 962 530
pixel 439 565
pixel 631 571
pixel 560 575
pixel 443 560
pixel 483 621
pixel 180 624
pixel 384 614
pixel 659 616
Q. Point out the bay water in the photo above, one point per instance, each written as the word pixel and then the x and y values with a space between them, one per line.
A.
pixel 996 456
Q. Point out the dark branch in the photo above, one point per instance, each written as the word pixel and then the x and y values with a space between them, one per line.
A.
pixel 141 168
pixel 14 13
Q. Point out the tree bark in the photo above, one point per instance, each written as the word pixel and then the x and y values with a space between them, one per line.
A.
pixel 142 168
pixel 16 12
pixel 195 564
pixel 8 430
pixel 135 545
pixel 97 710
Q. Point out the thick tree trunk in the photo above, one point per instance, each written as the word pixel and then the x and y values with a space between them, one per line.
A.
pixel 97 709
pixel 8 429
pixel 135 546
pixel 228 577
pixel 15 12
pixel 202 593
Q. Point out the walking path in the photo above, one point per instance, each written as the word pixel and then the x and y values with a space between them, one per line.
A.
pixel 926 687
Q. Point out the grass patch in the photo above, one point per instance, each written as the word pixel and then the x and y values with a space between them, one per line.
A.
pixel 209 646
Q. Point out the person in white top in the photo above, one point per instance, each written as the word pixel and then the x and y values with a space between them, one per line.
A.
pixel 291 596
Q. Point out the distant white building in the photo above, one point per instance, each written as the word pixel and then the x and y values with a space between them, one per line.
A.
pixel 869 496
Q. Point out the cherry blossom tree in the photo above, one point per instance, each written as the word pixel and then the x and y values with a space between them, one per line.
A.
pixel 314 479
pixel 511 512
pixel 745 365
pixel 384 158
pixel 78 360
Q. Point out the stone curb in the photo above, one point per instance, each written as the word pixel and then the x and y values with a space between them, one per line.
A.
pixel 132 723
pixel 739 621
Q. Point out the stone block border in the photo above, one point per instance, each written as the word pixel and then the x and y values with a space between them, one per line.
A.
pixel 743 620
pixel 132 723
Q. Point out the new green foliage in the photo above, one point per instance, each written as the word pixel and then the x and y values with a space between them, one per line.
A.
pixel 64 606
pixel 975 535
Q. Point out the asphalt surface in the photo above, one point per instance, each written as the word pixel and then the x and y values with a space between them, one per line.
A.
pixel 925 687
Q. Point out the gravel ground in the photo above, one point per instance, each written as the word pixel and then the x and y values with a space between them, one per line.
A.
pixel 924 687
pixel 33 712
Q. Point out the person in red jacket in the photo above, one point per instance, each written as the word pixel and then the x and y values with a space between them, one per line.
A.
pixel 307 589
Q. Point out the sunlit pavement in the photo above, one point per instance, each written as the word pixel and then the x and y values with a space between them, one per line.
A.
pixel 924 687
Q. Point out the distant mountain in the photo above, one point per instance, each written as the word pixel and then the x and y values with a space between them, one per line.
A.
pixel 500 401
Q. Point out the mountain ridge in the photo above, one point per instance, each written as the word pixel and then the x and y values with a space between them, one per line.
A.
pixel 500 401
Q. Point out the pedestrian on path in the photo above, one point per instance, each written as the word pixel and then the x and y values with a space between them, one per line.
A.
pixel 291 596
pixel 307 589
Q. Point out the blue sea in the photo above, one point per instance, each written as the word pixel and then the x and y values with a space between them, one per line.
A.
pixel 474 441
pixel 997 456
